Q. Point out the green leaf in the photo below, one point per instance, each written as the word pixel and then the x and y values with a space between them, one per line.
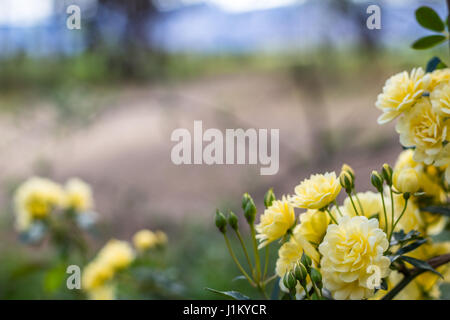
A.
pixel 410 247
pixel 401 237
pixel 239 278
pixel 420 264
pixel 433 64
pixel 438 210
pixel 429 19
pixel 428 42
pixel 230 294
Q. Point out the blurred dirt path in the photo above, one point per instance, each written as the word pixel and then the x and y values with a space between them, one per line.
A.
pixel 124 151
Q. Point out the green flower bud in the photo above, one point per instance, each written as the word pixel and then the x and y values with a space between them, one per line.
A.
pixel 316 277
pixel 250 211
pixel 386 172
pixel 377 181
pixel 289 281
pixel 346 181
pixel 269 198
pixel 300 273
pixel 221 221
pixel 306 261
pixel 347 168
pixel 245 198
pixel 233 220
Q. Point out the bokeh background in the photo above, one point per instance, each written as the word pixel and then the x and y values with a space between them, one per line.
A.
pixel 100 103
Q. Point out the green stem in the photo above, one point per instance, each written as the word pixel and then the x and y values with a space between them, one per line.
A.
pixel 236 260
pixel 337 208
pixel 359 202
pixel 401 215
pixel 392 213
pixel 266 263
pixel 255 249
pixel 247 257
pixel 331 216
pixel 353 204
pixel 385 213
pixel 318 293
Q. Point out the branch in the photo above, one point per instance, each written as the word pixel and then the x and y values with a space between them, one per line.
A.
pixel 434 262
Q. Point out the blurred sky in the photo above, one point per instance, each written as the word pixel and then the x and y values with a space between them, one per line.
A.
pixel 38 26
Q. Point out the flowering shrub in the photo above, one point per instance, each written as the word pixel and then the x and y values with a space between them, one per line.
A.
pixel 375 245
pixel 64 214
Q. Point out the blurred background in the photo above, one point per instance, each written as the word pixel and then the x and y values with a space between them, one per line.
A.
pixel 100 103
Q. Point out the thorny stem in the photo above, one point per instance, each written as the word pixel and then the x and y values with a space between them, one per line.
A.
pixel 412 273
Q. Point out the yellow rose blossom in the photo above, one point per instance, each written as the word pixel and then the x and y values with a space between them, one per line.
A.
pixel 316 192
pixel 117 254
pixel 78 195
pixel 96 274
pixel 400 93
pixel 35 199
pixel 275 222
pixel 425 130
pixel 440 99
pixel 105 292
pixel 438 76
pixel 406 180
pixel 144 240
pixel 348 249
pixel 313 225
pixel 371 206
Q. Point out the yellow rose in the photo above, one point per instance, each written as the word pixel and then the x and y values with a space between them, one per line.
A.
pixel 438 77
pixel 275 222
pixel 406 180
pixel 78 195
pixel 35 199
pixel 96 274
pixel 105 292
pixel 313 225
pixel 400 93
pixel 117 254
pixel 348 250
pixel 144 239
pixel 371 206
pixel 440 99
pixel 161 237
pixel 316 192
pixel 425 130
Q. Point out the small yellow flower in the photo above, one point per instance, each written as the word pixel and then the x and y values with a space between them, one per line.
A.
pixel 35 199
pixel 348 249
pixel 406 180
pixel 316 192
pixel 313 225
pixel 144 240
pixel 425 130
pixel 117 254
pixel 275 222
pixel 400 93
pixel 440 99
pixel 78 195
